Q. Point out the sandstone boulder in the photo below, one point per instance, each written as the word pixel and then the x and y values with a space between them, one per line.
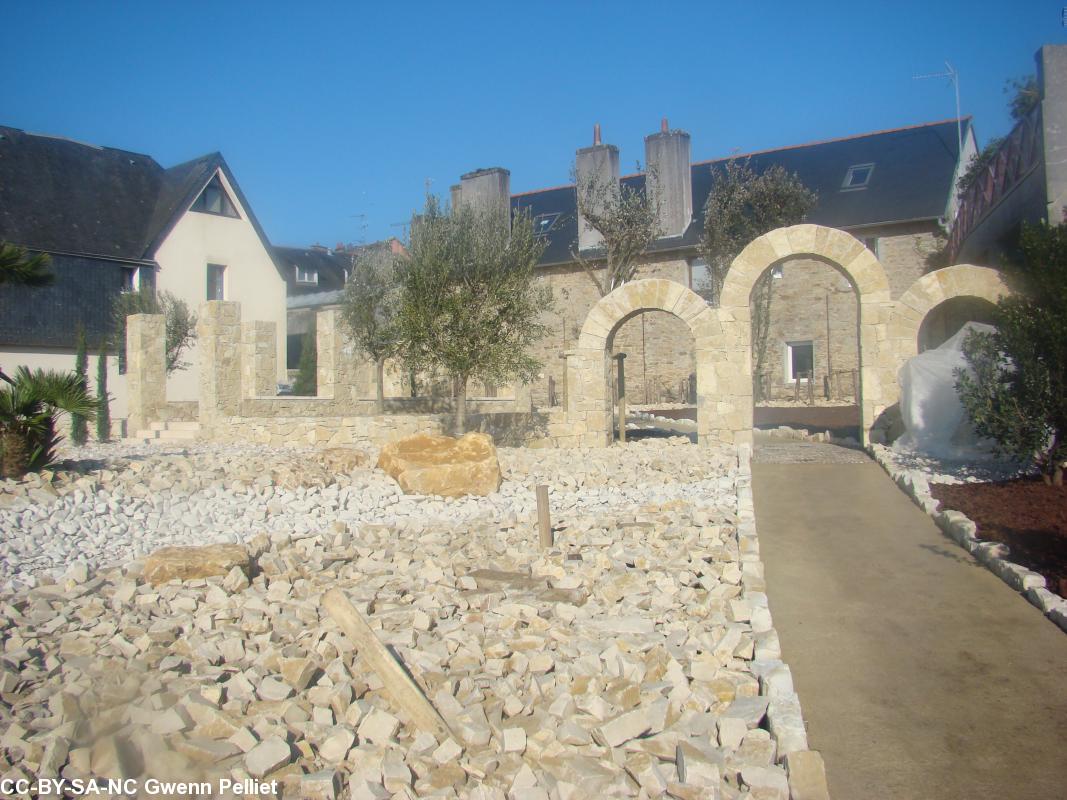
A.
pixel 429 463
pixel 342 460
pixel 187 563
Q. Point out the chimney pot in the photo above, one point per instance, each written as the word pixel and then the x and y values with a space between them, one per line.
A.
pixel 596 134
pixel 663 126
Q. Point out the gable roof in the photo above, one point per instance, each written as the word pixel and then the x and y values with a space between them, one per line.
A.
pixel 63 196
pixel 912 180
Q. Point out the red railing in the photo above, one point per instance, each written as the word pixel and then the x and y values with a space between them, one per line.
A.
pixel 1017 156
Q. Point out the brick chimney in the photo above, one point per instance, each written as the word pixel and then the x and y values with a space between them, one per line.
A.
pixel 599 162
pixel 670 182
pixel 488 189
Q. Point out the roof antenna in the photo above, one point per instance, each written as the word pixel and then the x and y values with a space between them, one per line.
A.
pixel 950 73
pixel 596 134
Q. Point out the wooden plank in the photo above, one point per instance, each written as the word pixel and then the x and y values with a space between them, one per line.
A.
pixel 544 518
pixel 398 683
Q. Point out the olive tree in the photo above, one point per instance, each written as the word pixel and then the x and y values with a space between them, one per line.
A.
pixel 626 219
pixel 179 323
pixel 743 205
pixel 468 301
pixel 369 310
pixel 1015 391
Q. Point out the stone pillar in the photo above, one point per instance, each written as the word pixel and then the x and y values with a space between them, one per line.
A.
pixel 259 359
pixel 589 409
pixel 1052 81
pixel 327 352
pixel 523 398
pixel 218 331
pixel 146 370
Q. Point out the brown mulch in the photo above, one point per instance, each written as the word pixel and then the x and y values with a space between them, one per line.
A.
pixel 1025 514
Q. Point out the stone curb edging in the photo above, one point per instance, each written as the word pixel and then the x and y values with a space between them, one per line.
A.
pixel 804 768
pixel 961 530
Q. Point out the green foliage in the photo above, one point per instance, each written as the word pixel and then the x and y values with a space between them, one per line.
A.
pixel 742 206
pixel 103 398
pixel 1017 394
pixel 306 383
pixel 29 406
pixel 79 425
pixel 370 307
pixel 1025 95
pixel 468 301
pixel 19 268
pixel 978 163
pixel 179 321
pixel 628 221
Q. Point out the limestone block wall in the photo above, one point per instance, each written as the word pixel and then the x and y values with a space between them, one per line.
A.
pixel 146 370
pixel 332 431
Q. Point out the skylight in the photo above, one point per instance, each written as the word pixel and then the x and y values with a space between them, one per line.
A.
pixel 858 176
pixel 543 222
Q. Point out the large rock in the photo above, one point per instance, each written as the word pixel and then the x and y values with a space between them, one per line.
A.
pixel 187 563
pixel 429 463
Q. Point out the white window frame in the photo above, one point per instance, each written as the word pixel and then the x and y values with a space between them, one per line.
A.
pixel 134 284
pixel 225 280
pixel 790 376
pixel 313 280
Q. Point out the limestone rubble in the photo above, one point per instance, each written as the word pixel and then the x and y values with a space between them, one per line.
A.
pixel 638 658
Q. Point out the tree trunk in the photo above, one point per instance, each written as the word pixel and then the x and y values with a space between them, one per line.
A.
pixel 379 400
pixel 461 405
pixel 15 460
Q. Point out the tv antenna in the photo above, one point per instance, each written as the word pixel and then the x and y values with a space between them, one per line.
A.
pixel 954 76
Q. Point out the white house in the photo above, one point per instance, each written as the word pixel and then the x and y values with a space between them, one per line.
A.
pixel 113 221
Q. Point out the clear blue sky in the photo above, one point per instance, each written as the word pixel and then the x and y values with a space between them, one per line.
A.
pixel 330 111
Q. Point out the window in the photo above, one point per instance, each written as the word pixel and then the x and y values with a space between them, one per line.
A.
pixel 306 274
pixel 215 200
pixel 871 243
pixel 543 222
pixel 216 282
pixel 700 278
pixel 799 361
pixel 129 279
pixel 858 176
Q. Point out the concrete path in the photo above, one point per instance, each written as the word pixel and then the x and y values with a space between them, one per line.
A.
pixel 922 675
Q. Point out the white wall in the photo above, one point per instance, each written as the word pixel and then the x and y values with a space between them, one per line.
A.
pixel 63 360
pixel 251 278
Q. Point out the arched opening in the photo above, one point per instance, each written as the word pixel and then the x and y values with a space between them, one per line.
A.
pixel 944 320
pixel 805 348
pixel 591 367
pixel 653 352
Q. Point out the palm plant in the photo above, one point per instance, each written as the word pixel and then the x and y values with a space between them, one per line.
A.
pixel 29 406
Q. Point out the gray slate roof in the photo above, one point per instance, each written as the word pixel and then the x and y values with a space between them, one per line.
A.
pixel 62 196
pixel 912 180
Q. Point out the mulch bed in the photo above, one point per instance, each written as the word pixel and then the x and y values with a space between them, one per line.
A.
pixel 1026 515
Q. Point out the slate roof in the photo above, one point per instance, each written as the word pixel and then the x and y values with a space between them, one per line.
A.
pixel 62 196
pixel 330 266
pixel 914 169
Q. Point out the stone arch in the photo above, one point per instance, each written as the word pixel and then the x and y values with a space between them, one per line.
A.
pixel 846 254
pixel 933 289
pixel 589 402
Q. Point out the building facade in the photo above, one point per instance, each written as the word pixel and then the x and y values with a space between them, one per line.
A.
pixel 894 190
pixel 115 221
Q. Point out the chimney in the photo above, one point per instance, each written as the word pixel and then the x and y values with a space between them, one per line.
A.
pixel 487 189
pixel 670 182
pixel 455 193
pixel 599 164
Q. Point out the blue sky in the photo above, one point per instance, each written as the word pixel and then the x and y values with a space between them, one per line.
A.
pixel 334 116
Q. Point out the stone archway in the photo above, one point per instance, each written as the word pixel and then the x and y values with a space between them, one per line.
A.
pixel 841 251
pixel 933 289
pixel 589 402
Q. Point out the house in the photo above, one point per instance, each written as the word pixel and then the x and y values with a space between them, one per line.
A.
pixel 893 189
pixel 1025 180
pixel 315 279
pixel 115 221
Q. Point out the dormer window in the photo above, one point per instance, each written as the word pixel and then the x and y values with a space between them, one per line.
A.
pixel 857 177
pixel 543 223
pixel 307 275
pixel 215 200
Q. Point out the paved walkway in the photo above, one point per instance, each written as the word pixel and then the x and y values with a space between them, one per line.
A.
pixel 922 675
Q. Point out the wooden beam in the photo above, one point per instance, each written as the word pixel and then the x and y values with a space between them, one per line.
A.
pixel 544 518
